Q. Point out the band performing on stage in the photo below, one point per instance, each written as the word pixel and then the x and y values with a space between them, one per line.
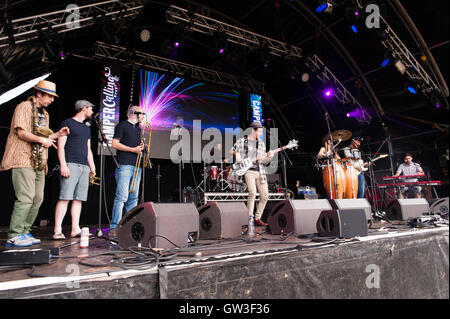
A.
pixel 241 169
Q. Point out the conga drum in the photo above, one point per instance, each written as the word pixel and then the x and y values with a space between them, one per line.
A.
pixel 351 181
pixel 331 174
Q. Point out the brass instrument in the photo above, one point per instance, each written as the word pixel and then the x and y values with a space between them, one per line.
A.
pixel 139 157
pixel 39 154
pixel 93 180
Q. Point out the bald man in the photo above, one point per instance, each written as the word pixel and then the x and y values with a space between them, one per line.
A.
pixel 127 142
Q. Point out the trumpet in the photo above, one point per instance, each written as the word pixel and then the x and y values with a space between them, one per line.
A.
pixel 140 155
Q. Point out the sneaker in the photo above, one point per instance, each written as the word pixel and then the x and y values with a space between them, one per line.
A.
pixel 34 241
pixel 19 241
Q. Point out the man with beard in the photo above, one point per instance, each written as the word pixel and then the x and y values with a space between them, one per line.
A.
pixel 77 163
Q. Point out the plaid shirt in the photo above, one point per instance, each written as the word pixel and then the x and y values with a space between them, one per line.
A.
pixel 239 147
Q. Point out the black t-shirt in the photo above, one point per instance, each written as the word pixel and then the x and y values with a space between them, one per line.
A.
pixel 76 148
pixel 129 135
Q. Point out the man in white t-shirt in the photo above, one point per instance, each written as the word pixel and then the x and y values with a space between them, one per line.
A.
pixel 409 168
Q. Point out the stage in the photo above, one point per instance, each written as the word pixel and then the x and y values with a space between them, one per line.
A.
pixel 394 261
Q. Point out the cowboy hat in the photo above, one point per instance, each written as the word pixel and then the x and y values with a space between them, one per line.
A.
pixel 46 87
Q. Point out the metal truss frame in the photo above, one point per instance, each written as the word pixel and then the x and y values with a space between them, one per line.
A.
pixel 146 60
pixel 28 28
pixel 316 66
pixel 239 197
pixel 206 25
pixel 414 70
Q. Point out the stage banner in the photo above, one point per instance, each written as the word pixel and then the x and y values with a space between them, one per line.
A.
pixel 109 106
pixel 256 105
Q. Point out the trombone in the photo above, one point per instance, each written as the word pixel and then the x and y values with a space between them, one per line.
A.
pixel 146 151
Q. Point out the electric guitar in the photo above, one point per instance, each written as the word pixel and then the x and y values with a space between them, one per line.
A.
pixel 363 166
pixel 243 166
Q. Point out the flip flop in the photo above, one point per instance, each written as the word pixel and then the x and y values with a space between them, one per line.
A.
pixel 59 236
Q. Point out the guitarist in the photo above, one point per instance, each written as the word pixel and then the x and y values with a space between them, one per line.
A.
pixel 252 146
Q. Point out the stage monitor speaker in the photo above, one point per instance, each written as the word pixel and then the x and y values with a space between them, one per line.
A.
pixel 404 209
pixel 146 223
pixel 222 220
pixel 342 223
pixel 439 206
pixel 353 203
pixel 296 215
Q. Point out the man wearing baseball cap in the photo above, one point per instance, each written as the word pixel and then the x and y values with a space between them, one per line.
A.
pixel 28 179
pixel 77 163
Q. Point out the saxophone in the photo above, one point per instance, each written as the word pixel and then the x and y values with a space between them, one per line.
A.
pixel 39 154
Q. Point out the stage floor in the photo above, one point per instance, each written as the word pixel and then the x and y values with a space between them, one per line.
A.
pixel 394 261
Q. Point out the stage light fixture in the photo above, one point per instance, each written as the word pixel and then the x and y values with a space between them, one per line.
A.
pixel 352 17
pixel 411 87
pixel 324 6
pixel 145 35
pixel 388 58
pixel 328 92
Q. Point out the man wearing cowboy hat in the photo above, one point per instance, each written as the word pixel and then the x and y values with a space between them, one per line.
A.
pixel 28 182
pixel 252 146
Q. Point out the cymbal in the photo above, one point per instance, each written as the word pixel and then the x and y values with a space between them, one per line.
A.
pixel 344 135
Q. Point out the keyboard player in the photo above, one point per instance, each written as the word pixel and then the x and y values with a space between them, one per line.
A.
pixel 408 167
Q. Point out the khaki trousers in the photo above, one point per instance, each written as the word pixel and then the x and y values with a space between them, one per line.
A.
pixel 28 185
pixel 254 185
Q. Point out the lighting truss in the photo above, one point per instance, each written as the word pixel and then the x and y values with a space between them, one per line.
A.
pixel 206 25
pixel 238 197
pixel 315 65
pixel 145 60
pixel 414 70
pixel 26 29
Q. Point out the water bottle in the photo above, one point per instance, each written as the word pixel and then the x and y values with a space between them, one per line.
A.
pixel 84 242
pixel 251 226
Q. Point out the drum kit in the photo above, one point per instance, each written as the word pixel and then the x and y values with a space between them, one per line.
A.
pixel 339 176
pixel 220 177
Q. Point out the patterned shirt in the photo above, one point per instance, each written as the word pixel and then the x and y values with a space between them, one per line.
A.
pixel 239 147
pixel 17 151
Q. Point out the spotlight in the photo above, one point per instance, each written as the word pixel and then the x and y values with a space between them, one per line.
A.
pixel 354 28
pixel 324 6
pixel 411 87
pixel 220 43
pixel 176 44
pixel 328 92
pixel 145 35
pixel 388 58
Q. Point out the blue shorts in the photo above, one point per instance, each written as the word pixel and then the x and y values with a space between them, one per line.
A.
pixel 77 185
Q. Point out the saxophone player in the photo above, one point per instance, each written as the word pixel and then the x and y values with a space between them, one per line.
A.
pixel 127 141
pixel 25 155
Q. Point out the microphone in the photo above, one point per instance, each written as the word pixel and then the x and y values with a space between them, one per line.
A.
pixel 96 115
pixel 176 125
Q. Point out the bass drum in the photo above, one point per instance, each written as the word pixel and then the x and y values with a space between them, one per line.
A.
pixel 328 177
pixel 351 182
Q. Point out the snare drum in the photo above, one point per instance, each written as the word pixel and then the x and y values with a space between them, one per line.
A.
pixel 213 172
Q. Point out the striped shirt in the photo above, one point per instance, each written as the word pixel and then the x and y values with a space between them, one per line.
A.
pixel 17 151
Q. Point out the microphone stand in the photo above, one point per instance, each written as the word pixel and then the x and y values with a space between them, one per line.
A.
pixel 102 140
pixel 330 136
pixel 284 156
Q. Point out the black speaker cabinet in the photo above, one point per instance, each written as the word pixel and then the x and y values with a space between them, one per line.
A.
pixel 296 215
pixel 353 203
pixel 404 209
pixel 439 206
pixel 342 223
pixel 222 219
pixel 146 223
